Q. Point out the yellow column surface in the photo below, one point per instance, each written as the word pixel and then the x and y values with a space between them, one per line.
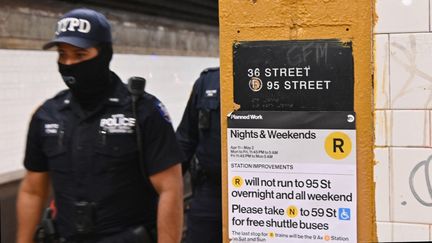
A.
pixel 346 20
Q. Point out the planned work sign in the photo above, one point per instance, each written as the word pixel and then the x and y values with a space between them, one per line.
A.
pixel 292 176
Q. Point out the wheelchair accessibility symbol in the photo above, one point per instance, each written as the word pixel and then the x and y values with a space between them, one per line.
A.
pixel 344 214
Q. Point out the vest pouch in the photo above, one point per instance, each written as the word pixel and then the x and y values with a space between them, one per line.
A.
pixel 117 151
pixel 210 103
pixel 206 107
pixel 55 152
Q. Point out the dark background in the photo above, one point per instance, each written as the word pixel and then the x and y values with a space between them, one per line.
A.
pixel 197 11
pixel 328 60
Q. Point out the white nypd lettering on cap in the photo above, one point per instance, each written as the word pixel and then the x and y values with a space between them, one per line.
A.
pixel 51 128
pixel 73 24
pixel 118 123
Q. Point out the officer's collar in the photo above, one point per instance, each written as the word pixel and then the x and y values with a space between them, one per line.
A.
pixel 66 101
pixel 119 97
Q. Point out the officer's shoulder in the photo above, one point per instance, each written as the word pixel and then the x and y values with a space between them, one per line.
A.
pixel 210 70
pixel 58 99
pixel 156 106
pixel 207 75
pixel 148 99
pixel 61 94
pixel 52 104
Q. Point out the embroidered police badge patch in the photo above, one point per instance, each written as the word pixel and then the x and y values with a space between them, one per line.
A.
pixel 117 123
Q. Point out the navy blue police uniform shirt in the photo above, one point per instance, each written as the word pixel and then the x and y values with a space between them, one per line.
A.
pixel 94 157
pixel 199 134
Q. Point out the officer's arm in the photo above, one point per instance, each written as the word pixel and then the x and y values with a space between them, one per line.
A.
pixel 32 196
pixel 169 184
pixel 187 131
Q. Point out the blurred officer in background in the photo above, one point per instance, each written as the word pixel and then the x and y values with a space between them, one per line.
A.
pixel 86 141
pixel 199 138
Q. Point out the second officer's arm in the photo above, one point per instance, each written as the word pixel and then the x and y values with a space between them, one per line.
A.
pixel 187 132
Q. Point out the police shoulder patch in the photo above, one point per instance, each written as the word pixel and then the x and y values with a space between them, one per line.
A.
pixel 163 111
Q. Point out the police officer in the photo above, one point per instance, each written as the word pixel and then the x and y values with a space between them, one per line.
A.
pixel 199 138
pixel 84 141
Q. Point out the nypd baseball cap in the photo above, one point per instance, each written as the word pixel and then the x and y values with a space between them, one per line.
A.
pixel 83 28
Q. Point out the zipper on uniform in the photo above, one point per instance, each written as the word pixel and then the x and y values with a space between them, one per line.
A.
pixel 103 133
pixel 61 136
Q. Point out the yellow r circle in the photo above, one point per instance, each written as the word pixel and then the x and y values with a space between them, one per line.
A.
pixel 338 145
pixel 237 181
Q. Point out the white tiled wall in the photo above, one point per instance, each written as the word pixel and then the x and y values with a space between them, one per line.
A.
pixel 385 232
pixel 382 72
pixel 409 128
pixel 382 127
pixel 382 180
pixel 398 16
pixel 410 71
pixel 409 186
pixel 402 128
pixel 430 231
pixel 403 103
pixel 410 233
pixel 27 78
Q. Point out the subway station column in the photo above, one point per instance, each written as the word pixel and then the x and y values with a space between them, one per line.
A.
pixel 297 60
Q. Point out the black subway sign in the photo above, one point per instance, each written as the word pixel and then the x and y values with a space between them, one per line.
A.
pixel 301 75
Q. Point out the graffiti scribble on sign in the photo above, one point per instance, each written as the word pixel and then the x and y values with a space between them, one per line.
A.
pixel 424 165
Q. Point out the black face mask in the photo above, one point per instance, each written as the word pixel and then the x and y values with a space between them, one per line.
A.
pixel 89 81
